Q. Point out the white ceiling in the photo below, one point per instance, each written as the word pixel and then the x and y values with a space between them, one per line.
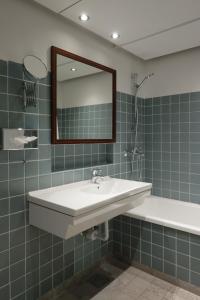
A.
pixel 147 28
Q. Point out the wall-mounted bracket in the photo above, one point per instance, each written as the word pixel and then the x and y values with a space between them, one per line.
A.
pixel 29 94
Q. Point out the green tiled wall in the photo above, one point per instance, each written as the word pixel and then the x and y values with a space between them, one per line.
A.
pixel 85 122
pixel 89 122
pixel 172 164
pixel 172 146
pixel 164 249
pixel 33 261
pixel 69 156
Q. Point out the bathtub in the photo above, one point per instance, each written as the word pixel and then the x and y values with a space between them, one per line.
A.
pixel 170 213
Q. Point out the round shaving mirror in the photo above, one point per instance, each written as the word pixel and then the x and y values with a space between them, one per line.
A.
pixel 35 66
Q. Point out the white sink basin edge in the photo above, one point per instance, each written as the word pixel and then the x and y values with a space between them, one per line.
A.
pixel 83 196
pixel 72 208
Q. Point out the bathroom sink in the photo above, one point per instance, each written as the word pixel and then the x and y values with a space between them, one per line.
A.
pixel 113 187
pixel 104 187
pixel 71 208
pixel 80 197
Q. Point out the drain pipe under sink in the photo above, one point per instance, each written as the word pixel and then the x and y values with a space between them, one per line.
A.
pixel 100 232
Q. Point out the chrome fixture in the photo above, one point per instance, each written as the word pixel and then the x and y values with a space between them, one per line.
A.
pixel 136 153
pixel 99 232
pixel 29 89
pixel 136 88
pixel 97 176
pixel 18 139
pixel 34 70
pixel 138 85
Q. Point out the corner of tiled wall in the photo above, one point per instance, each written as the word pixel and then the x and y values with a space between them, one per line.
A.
pixel 172 133
pixel 32 261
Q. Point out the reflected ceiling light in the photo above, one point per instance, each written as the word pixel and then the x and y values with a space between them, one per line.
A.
pixel 84 17
pixel 73 69
pixel 115 35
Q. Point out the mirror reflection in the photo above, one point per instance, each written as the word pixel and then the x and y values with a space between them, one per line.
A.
pixel 84 101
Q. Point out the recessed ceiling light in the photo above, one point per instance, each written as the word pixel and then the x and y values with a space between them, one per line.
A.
pixel 73 69
pixel 84 17
pixel 115 35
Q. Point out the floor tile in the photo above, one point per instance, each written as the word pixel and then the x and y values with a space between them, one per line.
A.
pixel 128 284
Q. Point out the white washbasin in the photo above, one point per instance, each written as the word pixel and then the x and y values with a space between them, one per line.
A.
pixel 103 188
pixel 80 197
pixel 113 187
pixel 71 208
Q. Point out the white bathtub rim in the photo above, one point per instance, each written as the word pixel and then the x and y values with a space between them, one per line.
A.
pixel 183 203
pixel 165 222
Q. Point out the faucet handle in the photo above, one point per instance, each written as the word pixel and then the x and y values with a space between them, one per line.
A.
pixel 97 172
pixel 100 172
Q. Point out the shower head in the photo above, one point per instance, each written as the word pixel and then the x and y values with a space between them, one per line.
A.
pixel 149 75
pixel 145 78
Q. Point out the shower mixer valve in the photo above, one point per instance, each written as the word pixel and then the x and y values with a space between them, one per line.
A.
pixel 135 152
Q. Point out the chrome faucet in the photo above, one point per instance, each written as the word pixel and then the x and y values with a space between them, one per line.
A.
pixel 135 153
pixel 97 176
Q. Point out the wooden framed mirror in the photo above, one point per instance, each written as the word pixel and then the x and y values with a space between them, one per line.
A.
pixel 83 100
